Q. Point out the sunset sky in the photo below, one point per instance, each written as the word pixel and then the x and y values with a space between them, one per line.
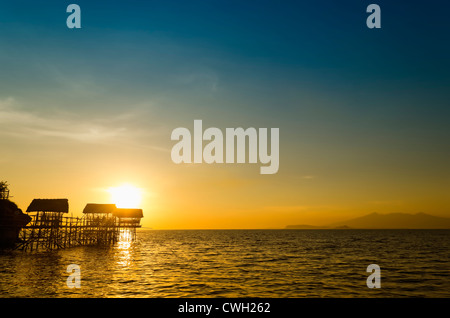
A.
pixel 363 113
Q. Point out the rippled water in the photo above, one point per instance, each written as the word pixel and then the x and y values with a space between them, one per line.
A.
pixel 240 263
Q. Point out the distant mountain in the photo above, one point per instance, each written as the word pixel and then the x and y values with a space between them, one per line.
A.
pixel 387 221
pixel 305 227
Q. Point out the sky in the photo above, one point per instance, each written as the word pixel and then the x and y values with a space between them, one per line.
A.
pixel 362 113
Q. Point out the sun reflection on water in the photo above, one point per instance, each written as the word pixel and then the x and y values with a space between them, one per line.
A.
pixel 126 236
pixel 124 245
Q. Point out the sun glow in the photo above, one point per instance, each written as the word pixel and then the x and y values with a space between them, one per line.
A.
pixel 126 196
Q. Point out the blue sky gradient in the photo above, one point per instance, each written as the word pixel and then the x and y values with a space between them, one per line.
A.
pixel 355 106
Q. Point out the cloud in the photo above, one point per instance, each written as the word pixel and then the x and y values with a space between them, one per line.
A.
pixel 20 122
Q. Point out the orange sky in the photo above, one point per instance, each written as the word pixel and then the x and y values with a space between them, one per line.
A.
pixel 214 196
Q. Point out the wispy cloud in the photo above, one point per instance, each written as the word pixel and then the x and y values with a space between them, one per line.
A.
pixel 20 122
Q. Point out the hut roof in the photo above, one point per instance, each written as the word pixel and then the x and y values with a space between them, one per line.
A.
pixel 49 205
pixel 128 213
pixel 99 208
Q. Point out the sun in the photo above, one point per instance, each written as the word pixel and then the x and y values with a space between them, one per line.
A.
pixel 126 196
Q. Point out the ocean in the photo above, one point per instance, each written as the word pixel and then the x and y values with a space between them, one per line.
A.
pixel 240 263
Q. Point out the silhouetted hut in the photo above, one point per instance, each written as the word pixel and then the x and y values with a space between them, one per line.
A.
pixel 45 227
pixel 129 217
pixel 101 224
pixel 49 211
pixel 96 208
pixel 99 214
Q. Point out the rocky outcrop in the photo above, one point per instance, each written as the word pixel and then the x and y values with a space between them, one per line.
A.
pixel 12 219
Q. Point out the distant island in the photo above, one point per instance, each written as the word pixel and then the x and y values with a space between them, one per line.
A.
pixel 385 221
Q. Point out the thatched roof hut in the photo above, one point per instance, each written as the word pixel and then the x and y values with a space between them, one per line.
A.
pixel 49 205
pixel 99 208
pixel 128 213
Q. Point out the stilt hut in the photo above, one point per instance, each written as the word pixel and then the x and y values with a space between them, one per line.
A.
pixel 100 224
pixel 49 212
pixel 99 214
pixel 129 217
pixel 128 221
pixel 47 218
